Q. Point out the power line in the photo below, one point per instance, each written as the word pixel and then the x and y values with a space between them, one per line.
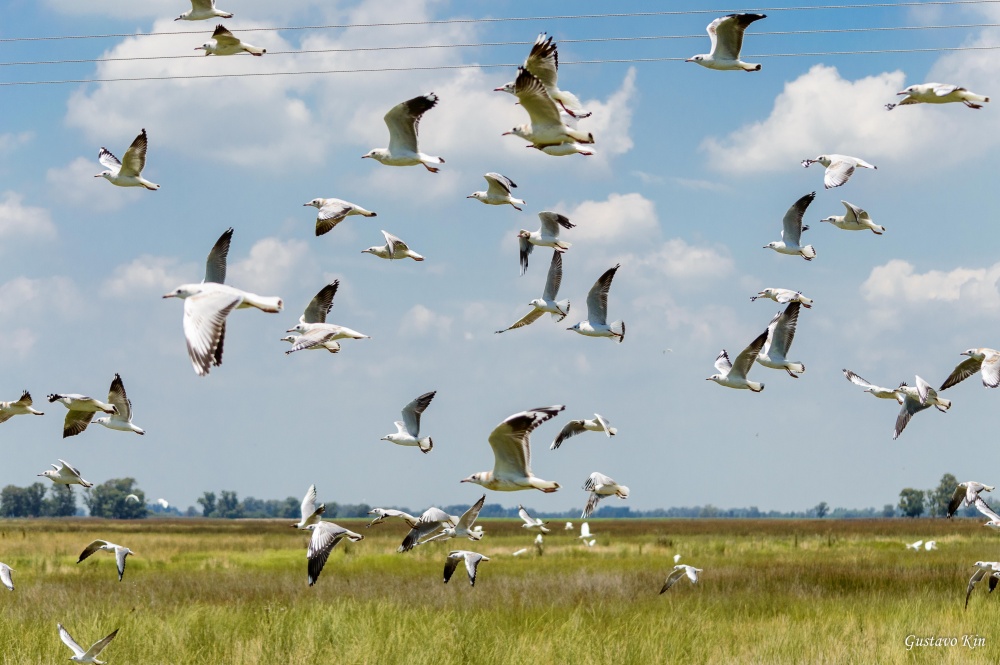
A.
pixel 370 70
pixel 510 19
pixel 592 40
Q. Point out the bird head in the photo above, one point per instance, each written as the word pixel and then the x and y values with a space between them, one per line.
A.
pixel 315 203
pixel 771 245
pixel 104 174
pixel 696 58
pixel 506 87
pixel 477 478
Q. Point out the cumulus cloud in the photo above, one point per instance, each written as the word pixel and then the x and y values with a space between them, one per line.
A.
pixel 612 119
pixel 898 282
pixel 19 220
pixel 678 259
pixel 619 216
pixel 10 142
pixel 24 299
pixel 75 184
pixel 420 320
pixel 148 274
pixel 270 264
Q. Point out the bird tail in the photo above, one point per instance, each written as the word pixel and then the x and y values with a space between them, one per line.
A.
pixel 84 483
pixel 254 50
pixel 618 328
pixel 367 213
pixel 580 137
pixel 809 252
pixel 878 229
pixel 612 431
pixel 622 492
pixel 416 257
pixel 563 305
pixel 806 302
pixel 270 304
pixel 798 368
pixel 562 245
pixel 425 444
pixel 572 105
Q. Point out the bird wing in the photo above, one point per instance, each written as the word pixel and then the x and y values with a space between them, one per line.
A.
pixel 957 498
pixel 781 332
pixel 727 37
pixel 76 422
pixel 523 514
pixel 5 576
pixel 412 411
pixel 543 61
pixel 120 554
pixel 69 641
pixel 722 362
pixel 403 121
pixel 91 548
pixel 215 266
pixel 330 214
pixel 97 647
pixel 964 370
pixel 203 5
pixel 469 516
pixel 536 101
pixel 854 213
pixel 223 37
pixel 498 185
pixel 592 502
pixel 675 574
pixel 692 573
pixel 596 479
pixel 837 173
pixel 943 89
pixel 910 406
pixel 69 467
pixel 857 380
pixel 551 221
pixel 135 157
pixel 205 327
pixel 604 423
pixel 572 428
pixel 325 536
pixel 118 399
pixel 320 305
pixel 108 160
pixel 25 399
pixel 429 522
pixel 747 356
pixel 976 576
pixel 991 370
pixel 308 506
pixel 451 563
pixel 511 441
pixel 472 560
pixel 597 299
pixel 311 339
pixel 792 221
pixel 986 510
pixel 554 279
pixel 393 243
pixel 525 320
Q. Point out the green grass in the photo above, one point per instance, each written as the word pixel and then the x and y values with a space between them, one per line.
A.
pixel 215 592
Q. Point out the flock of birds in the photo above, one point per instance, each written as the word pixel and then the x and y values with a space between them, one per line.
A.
pixel 552 128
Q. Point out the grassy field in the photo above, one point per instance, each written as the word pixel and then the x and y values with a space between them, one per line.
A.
pixel 214 592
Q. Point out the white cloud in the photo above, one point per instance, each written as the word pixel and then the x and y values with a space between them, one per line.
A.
pixel 612 120
pixel 897 282
pixel 17 219
pixel 75 184
pixel 419 320
pixel 23 299
pixel 620 216
pixel 271 263
pixel 10 142
pixel 148 274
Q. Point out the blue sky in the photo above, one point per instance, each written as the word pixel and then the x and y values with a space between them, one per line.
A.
pixel 694 171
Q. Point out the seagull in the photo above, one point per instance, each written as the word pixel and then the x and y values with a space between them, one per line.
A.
pixel 120 553
pixel 601 486
pixel 838 168
pixel 568 527
pixel 986 510
pixel 984 360
pixel 394 248
pixel 680 571
pixel 735 375
pixel 512 453
pixel 726 33
pixel 226 43
pixel 382 513
pixel 402 121
pixel 129 173
pixel 5 576
pixel 791 232
pixel 543 63
pixel 91 654
pixel 332 347
pixel 333 212
pixel 547 303
pixel 877 391
pixel 856 219
pixel 915 400
pixel 312 327
pixel 65 474
pixel 596 424
pixel 310 511
pixel 966 494
pixel 81 411
pixel 122 418
pixel 585 535
pixel 546 236
pixel 531 523
pixel 915 546
pixel 539 544
pixel 983 568
pixel 133 497
pixel 464 528
pixel 597 324
pixel 546 126
pixel 783 296
pixel 472 560
pixel 325 536
pixel 202 9
pixel 408 429
pixel 498 191
pixel 163 503
pixel 206 306
pixel 429 521
pixel 780 333
pixel 677 558
pixel 22 406
pixel 564 149
pixel 930 545
pixel 938 93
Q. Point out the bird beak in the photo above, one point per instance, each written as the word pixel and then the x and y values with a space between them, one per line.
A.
pixel 306 205
pixel 364 156
pixel 465 480
pixel 289 330
pixel 169 295
pixel 764 247
pixel 902 93
pixel 470 197
pixel 497 89
pixel 98 175
pixel 199 48
pixel 689 60
pixel 506 133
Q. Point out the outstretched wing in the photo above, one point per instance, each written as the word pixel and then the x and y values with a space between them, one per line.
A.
pixel 108 160
pixel 498 185
pixel 530 91
pixel 543 61
pixel 403 121
pixel 572 428
pixel 135 157
pixel 412 411
pixel 792 222
pixel 331 214
pixel 69 641
pixel 223 37
pixel 511 443
pixel 320 305
pixel 525 320
pixel 118 398
pixel 554 278
pixel 215 266
pixel 551 221
pixel 747 357
pixel 964 370
pixel 597 298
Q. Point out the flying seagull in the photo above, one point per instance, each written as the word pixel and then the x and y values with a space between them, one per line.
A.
pixel 914 400
pixel 394 248
pixel 382 513
pixel 81 411
pixel 564 149
pixel 129 172
pixel 21 407
pixel 429 521
pixel 601 486
pixel 983 569
pixel 855 219
pixel 983 360
pixel 938 93
pixel 965 494
pixel 512 453
pixel 596 424
pixel 530 523
pixel 332 347
pixel 333 211
pixel 680 571
pixel 202 9
pixel 472 560
pixel 65 474
pixel 877 391
pixel 464 528
pixel 780 333
pixel 122 419
pixel 309 510
pixel 596 324
pixel 547 303
pixel 119 552
pixel 312 328
pixel 497 191
pixel 402 121
pixel 791 231
pixel 734 375
pixel 783 296
pixel 543 63
pixel 987 511
pixel 226 43
pixel 408 429
pixel 915 546
pixel 726 33
pixel 89 655
pixel 5 576
pixel 839 168
pixel 546 236
pixel 546 126
pixel 206 306
pixel 325 536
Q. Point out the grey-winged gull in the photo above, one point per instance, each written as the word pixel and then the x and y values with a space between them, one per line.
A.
pixel 596 323
pixel 202 9
pixel 121 420
pixel 839 168
pixel 791 231
pixel 119 551
pixel 783 296
pixel 331 212
pixel 81 655
pixel 325 536
pixel 471 559
pixel 81 411
pixel 408 429
pixel 21 407
pixel 126 173
pixel 546 126
pixel 726 33
pixel 734 375
pixel 983 360
pixel 403 120
pixel 596 424
pixel 547 303
pixel 511 445
pixel 543 63
pixel 780 333
pixel 854 219
pixel 309 511
pixel 224 42
pixel 679 572
pixel 497 191
pixel 546 236
pixel 394 248
pixel 939 93
pixel 601 486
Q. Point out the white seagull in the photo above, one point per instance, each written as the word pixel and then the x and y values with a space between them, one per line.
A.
pixel 65 474
pixel 783 296
pixel 202 9
pixel 408 429
pixel 983 569
pixel 726 33
pixel 983 360
pixel 206 306
pixel 856 219
pixel 597 324
pixel 681 571
pixel 546 126
pixel 309 510
pixel 133 497
pixel 497 192
pixel 394 248
pixel 546 236
pixel 531 523
pixel 938 93
pixel 734 375
pixel 565 149
pixel 472 560
pixel 568 527
pixel 5 576
pixel 119 552
pixel 930 545
pixel 601 486
pixel 312 328
pixel 915 546
pixel 464 528
pixel 429 521
pixel 81 411
pixel 791 231
pixel 596 424
pixel 780 333
pixel 226 43
pixel 585 535
pixel 403 120
pixel 543 63
pixel 325 536
pixel 89 655
pixel 511 445
pixel 877 391
pixel 122 419
pixel 547 303
pixel 539 544
pixel 382 513
pixel 21 407
pixel 332 347
pixel 333 212
pixel 915 400
pixel 987 511
pixel 966 494
pixel 129 172
pixel 838 168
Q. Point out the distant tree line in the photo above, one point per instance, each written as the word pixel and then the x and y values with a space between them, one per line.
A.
pixel 933 502
pixel 105 500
